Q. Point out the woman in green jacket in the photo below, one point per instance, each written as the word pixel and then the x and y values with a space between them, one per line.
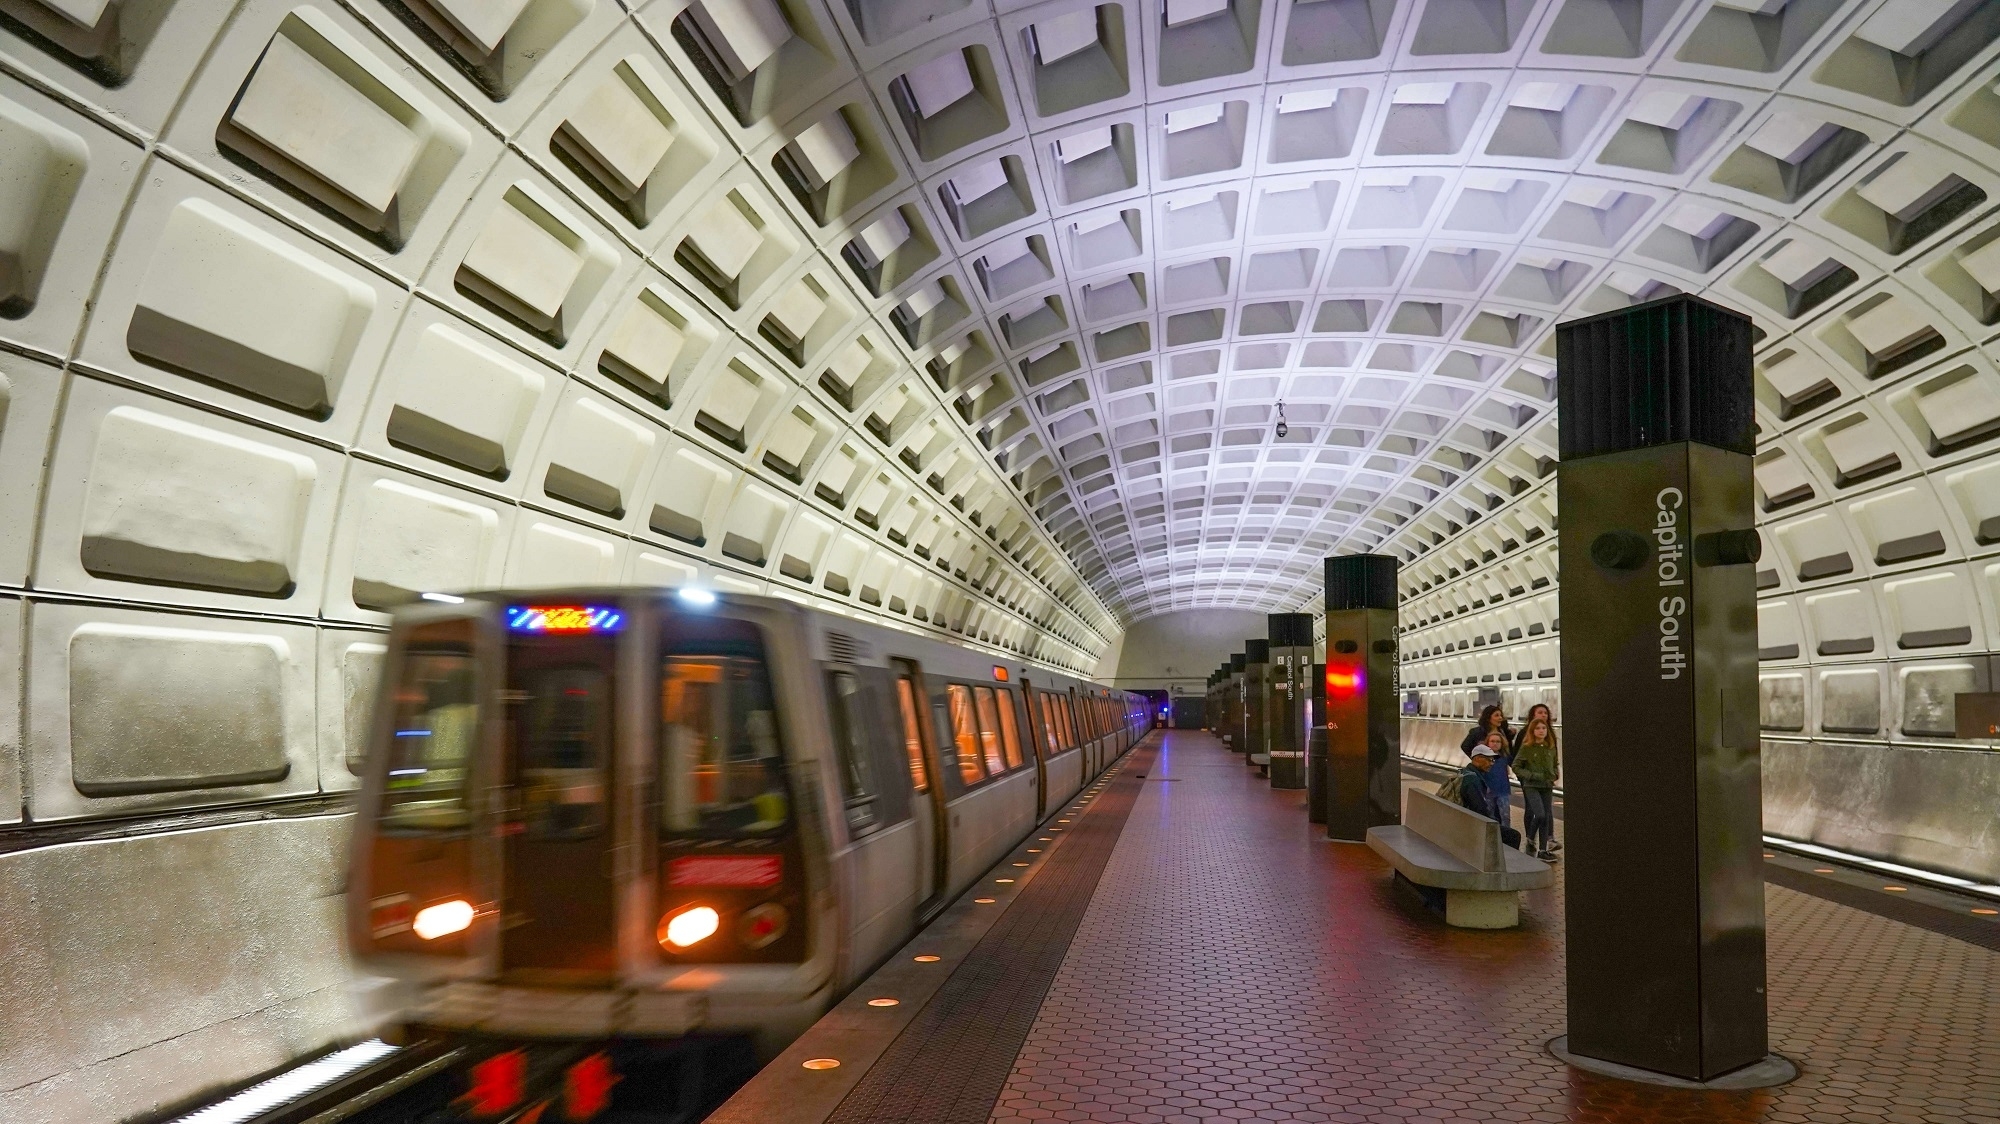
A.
pixel 1537 767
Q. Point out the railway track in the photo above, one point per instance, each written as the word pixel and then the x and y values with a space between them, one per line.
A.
pixel 464 1079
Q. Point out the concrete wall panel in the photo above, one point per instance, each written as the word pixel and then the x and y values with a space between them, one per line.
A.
pixel 143 971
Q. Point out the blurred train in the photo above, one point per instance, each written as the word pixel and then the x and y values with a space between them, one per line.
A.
pixel 640 812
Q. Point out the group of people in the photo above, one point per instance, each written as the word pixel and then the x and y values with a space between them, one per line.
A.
pixel 1493 748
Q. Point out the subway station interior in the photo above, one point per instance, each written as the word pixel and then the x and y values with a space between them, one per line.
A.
pixel 799 561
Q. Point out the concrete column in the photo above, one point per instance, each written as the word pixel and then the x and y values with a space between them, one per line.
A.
pixel 1364 729
pixel 1232 704
pixel 1287 686
pixel 1659 663
pixel 1256 702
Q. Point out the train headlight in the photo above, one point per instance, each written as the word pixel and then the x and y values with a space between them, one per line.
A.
pixel 689 926
pixel 442 919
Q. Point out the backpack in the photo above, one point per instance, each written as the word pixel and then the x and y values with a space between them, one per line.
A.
pixel 1451 787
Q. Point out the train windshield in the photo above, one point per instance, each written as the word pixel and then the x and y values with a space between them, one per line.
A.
pixel 722 766
pixel 565 739
pixel 437 720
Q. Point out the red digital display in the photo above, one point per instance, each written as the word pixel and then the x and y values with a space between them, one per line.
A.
pixel 726 870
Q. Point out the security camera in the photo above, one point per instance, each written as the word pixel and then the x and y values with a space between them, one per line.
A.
pixel 1283 428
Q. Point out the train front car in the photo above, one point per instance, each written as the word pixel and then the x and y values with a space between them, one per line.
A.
pixel 587 815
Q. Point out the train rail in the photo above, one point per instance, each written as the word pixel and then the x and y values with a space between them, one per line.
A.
pixel 460 1079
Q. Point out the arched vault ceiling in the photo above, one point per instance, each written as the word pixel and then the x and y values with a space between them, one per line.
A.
pixel 1075 258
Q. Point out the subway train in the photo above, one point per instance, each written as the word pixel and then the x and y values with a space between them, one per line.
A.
pixel 628 813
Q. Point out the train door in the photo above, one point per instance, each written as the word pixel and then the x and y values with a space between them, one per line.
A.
pixel 1035 744
pixel 1077 734
pixel 1079 709
pixel 559 899
pixel 926 792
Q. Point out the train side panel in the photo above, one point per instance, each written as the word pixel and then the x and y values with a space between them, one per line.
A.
pixel 987 822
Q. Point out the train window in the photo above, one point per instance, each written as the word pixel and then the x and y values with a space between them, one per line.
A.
pixel 1064 719
pixel 989 731
pixel 913 743
pixel 437 724
pixel 965 734
pixel 1010 736
pixel 721 767
pixel 851 738
pixel 1049 732
pixel 565 736
pixel 941 723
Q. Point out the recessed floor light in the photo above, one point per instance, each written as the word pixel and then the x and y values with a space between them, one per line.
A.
pixel 1034 850
pixel 982 901
pixel 883 1002
pixel 1986 912
pixel 1897 889
pixel 1003 880
pixel 821 1063
pixel 1020 864
pixel 927 958
pixel 1822 870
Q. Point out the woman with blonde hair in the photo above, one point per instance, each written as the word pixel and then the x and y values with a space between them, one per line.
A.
pixel 1537 767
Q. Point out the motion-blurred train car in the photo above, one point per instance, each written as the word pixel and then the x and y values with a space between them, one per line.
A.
pixel 644 812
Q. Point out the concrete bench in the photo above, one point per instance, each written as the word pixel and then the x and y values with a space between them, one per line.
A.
pixel 1444 846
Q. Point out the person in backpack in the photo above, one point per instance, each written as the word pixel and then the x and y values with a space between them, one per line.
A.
pixel 1538 765
pixel 1470 790
pixel 1494 721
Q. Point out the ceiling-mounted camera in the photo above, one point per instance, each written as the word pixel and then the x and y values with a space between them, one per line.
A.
pixel 1283 429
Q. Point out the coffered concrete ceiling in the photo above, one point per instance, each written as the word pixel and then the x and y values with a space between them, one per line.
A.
pixel 987 314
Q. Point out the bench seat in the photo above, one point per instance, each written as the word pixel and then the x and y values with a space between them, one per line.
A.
pixel 1446 847
pixel 1427 864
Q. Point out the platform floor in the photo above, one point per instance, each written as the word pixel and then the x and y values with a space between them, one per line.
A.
pixel 1231 964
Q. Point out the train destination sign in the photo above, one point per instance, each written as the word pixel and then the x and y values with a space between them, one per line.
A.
pixel 564 618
